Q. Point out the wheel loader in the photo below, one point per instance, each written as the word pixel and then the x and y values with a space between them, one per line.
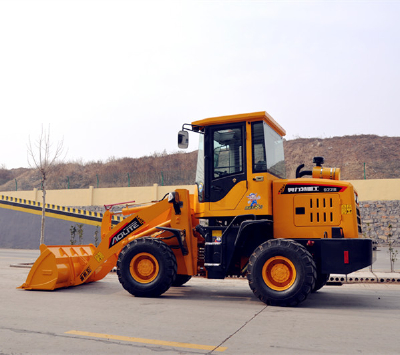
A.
pixel 245 219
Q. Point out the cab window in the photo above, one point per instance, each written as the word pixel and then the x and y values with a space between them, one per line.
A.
pixel 267 150
pixel 227 152
pixel 258 147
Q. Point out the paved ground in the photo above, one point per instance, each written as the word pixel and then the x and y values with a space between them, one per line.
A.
pixel 204 317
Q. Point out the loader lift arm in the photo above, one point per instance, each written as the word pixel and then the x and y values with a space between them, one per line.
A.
pixel 64 266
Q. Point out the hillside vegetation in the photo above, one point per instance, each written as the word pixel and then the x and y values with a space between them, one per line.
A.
pixel 379 155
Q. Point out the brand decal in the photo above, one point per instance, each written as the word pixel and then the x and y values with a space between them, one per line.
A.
pixel 253 202
pixel 136 223
pixel 85 273
pixel 304 188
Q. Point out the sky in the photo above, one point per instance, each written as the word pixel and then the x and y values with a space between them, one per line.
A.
pixel 114 79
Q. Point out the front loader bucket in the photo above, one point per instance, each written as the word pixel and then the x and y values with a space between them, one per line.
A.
pixel 59 266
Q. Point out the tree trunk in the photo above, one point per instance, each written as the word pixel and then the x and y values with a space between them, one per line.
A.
pixel 43 209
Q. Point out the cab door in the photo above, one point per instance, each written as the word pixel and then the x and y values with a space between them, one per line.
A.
pixel 225 166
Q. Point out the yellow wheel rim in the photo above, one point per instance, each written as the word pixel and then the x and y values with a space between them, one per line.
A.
pixel 144 268
pixel 279 273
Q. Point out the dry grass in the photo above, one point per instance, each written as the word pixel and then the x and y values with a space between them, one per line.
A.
pixel 381 156
pixel 167 169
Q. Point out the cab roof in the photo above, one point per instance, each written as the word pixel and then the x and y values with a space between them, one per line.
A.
pixel 244 117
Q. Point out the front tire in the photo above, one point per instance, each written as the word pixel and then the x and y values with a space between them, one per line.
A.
pixel 281 272
pixel 146 267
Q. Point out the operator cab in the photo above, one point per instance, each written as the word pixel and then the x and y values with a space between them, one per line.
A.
pixel 238 158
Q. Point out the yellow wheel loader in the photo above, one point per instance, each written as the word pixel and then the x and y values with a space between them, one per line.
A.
pixel 245 219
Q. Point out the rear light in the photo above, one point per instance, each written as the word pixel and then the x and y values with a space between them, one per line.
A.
pixel 346 257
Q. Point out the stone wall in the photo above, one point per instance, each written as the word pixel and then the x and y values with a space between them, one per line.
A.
pixel 379 218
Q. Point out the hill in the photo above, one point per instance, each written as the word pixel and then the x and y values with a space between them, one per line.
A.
pixel 380 156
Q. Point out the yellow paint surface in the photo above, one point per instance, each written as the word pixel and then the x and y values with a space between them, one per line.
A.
pixel 148 341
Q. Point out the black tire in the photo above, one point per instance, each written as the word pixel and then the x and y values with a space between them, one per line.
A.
pixel 321 281
pixel 181 280
pixel 146 267
pixel 281 272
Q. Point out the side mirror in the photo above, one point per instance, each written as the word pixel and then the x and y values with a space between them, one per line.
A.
pixel 183 139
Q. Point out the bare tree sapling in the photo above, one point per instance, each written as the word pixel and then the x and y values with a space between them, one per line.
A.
pixel 42 156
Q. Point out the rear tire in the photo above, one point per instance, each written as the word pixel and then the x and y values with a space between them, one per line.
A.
pixel 146 267
pixel 281 272
pixel 181 280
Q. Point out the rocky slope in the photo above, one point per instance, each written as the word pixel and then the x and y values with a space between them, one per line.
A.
pixel 372 156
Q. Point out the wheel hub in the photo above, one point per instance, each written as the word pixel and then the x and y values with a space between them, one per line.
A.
pixel 144 267
pixel 279 273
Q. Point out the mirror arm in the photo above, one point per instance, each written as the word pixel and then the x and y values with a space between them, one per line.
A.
pixel 191 128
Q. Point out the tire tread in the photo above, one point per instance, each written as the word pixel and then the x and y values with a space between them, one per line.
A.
pixel 162 282
pixel 309 277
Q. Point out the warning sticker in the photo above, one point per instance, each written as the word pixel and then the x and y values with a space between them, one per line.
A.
pixel 99 257
pixel 347 209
